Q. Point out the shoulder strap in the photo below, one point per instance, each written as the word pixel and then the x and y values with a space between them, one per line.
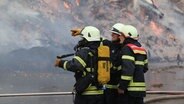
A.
pixel 91 54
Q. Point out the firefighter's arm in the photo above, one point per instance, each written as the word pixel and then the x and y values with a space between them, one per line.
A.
pixel 76 32
pixel 128 67
pixel 145 65
pixel 145 68
pixel 77 63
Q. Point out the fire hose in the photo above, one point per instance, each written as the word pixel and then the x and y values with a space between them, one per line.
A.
pixel 170 93
pixel 161 98
pixel 173 95
pixel 36 94
pixel 66 55
pixel 170 96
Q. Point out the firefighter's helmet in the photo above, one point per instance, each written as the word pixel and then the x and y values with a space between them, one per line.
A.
pixel 131 32
pixel 118 28
pixel 90 33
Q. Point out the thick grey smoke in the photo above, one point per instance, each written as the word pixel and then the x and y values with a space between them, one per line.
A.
pixel 27 24
pixel 24 27
pixel 173 17
pixel 13 17
pixel 32 33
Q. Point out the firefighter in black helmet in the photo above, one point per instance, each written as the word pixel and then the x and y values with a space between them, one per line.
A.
pixel 111 93
pixel 83 66
pixel 134 62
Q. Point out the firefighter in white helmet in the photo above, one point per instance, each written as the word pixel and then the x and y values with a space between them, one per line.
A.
pixel 117 30
pixel 111 93
pixel 134 63
pixel 86 90
pixel 131 32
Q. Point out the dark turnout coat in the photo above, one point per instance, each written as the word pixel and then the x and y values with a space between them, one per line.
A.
pixel 134 64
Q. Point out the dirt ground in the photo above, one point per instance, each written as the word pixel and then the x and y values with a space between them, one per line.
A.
pixel 165 77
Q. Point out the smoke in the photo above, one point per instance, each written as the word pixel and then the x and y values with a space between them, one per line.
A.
pixel 27 24
pixel 14 18
pixel 172 18
pixel 24 27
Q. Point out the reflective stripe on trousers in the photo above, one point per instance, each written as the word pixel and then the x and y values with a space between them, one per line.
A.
pixel 111 86
pixel 92 90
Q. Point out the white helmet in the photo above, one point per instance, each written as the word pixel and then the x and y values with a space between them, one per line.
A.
pixel 118 28
pixel 131 32
pixel 90 33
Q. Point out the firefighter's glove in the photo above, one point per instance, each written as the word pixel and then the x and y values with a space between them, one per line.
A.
pixel 57 61
pixel 120 91
pixel 76 32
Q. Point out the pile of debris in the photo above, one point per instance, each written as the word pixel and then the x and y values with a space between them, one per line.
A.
pixel 146 15
pixel 153 21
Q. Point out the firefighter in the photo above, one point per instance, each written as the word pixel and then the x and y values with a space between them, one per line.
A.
pixel 179 60
pixel 82 64
pixel 134 62
pixel 110 92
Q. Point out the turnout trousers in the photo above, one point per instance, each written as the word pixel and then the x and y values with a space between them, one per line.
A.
pixel 127 99
pixel 110 96
pixel 89 99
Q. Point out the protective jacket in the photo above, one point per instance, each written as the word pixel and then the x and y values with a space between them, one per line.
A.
pixel 82 65
pixel 110 92
pixel 134 65
pixel 115 59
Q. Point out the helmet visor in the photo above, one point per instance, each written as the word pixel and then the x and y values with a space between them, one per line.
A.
pixel 116 31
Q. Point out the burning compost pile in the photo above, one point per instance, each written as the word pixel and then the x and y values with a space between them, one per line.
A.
pixel 160 23
pixel 47 23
